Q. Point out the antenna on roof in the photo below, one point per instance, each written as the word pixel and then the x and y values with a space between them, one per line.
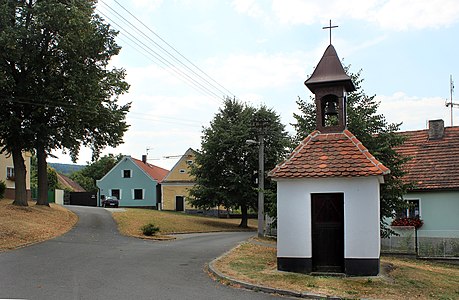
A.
pixel 145 157
pixel 451 103
pixel 172 156
pixel 148 149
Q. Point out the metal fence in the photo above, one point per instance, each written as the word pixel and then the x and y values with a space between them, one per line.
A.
pixel 403 243
pixel 423 243
pixel 438 243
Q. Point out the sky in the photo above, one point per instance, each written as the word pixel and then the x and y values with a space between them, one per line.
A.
pixel 182 57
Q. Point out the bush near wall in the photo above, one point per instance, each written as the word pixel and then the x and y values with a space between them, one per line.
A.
pixel 2 189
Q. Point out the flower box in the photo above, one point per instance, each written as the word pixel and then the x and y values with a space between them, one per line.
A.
pixel 415 222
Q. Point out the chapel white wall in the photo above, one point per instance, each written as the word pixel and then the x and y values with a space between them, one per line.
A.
pixel 361 215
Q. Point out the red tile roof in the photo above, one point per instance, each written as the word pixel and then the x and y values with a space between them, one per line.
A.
pixel 155 172
pixel 329 155
pixel 434 164
pixel 69 183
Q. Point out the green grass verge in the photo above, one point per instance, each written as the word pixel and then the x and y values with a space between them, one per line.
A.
pixel 131 221
pixel 403 278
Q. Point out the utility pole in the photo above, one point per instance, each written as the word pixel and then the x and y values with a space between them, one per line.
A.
pixel 261 185
pixel 261 124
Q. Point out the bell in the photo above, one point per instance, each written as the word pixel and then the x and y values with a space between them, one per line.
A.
pixel 330 109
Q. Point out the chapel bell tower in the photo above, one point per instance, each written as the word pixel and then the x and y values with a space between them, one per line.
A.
pixel 330 84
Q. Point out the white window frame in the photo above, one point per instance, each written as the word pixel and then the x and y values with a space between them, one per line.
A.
pixel 133 194
pixel 189 162
pixel 122 173
pixel 10 173
pixel 407 210
pixel 182 171
pixel 121 193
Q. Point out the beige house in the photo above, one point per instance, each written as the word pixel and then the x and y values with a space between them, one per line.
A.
pixel 7 174
pixel 176 185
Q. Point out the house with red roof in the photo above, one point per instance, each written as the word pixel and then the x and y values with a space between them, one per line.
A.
pixel 328 189
pixel 136 183
pixel 68 184
pixel 434 171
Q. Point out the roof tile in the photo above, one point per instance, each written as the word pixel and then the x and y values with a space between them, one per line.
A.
pixel 434 164
pixel 155 172
pixel 329 155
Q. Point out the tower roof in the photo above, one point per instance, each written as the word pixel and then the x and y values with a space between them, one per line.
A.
pixel 329 155
pixel 329 70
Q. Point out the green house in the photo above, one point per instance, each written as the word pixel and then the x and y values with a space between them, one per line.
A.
pixel 434 170
pixel 134 182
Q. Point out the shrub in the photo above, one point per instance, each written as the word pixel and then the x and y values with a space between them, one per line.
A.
pixel 2 189
pixel 149 229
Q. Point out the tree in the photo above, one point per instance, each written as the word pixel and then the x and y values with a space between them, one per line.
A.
pixel 53 182
pixel 55 84
pixel 87 176
pixel 376 134
pixel 226 165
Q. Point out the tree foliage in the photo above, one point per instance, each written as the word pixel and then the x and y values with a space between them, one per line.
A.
pixel 56 89
pixel 53 182
pixel 375 133
pixel 87 176
pixel 226 166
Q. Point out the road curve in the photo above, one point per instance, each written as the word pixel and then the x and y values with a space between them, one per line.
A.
pixel 93 261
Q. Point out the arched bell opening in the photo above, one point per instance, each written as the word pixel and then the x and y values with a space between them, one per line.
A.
pixel 330 107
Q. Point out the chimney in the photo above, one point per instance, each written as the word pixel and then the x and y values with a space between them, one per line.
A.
pixel 436 129
pixel 144 159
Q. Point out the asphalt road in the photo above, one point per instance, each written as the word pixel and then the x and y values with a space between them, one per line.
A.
pixel 93 261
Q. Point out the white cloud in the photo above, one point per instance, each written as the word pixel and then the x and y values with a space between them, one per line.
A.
pixel 388 14
pixel 248 7
pixel 260 70
pixel 297 11
pixel 415 14
pixel 147 5
pixel 413 111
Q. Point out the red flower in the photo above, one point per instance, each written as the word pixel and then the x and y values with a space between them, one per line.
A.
pixel 416 222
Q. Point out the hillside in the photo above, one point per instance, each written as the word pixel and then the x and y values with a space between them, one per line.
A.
pixel 66 169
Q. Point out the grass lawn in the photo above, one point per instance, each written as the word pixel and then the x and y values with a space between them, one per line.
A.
pixel 21 226
pixel 402 279
pixel 131 220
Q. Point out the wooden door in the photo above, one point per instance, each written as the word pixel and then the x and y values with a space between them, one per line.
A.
pixel 179 203
pixel 327 232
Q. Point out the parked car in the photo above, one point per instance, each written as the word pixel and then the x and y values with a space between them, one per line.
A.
pixel 110 201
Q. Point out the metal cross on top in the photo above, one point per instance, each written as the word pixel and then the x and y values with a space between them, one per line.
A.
pixel 330 27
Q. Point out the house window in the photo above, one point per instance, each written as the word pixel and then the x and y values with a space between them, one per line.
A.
pixel 189 162
pixel 182 171
pixel 127 174
pixel 116 193
pixel 413 209
pixel 138 194
pixel 10 173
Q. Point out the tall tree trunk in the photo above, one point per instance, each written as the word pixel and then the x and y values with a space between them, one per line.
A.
pixel 42 168
pixel 20 188
pixel 244 216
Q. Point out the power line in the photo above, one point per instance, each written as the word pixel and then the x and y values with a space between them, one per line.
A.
pixel 174 49
pixel 71 107
pixel 220 88
pixel 165 63
pixel 194 74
